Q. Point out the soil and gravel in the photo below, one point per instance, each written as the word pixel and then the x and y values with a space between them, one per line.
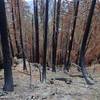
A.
pixel 59 85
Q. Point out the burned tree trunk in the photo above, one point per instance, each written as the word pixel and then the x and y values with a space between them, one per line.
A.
pixel 36 31
pixel 45 42
pixel 21 37
pixel 83 45
pixel 8 79
pixel 76 5
pixel 55 36
pixel 53 39
pixel 14 28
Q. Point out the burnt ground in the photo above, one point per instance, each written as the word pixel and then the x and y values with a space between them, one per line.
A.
pixel 59 86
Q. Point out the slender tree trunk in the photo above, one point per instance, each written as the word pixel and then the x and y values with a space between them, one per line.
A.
pixel 8 79
pixel 45 42
pixel 36 30
pixel 14 28
pixel 11 46
pixel 76 6
pixel 55 36
pixel 83 45
pixel 21 37
pixel 32 40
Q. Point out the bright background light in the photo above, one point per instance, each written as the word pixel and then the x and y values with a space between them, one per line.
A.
pixel 28 0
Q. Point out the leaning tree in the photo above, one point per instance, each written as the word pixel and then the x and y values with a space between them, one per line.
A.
pixel 83 45
pixel 76 6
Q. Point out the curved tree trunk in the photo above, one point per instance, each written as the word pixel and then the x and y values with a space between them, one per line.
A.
pixel 83 45
pixel 7 62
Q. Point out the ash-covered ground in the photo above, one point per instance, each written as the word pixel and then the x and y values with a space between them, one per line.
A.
pixel 59 85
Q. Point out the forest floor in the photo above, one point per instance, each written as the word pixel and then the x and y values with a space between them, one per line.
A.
pixel 59 86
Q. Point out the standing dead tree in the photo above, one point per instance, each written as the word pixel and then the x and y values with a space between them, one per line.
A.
pixel 83 45
pixel 76 6
pixel 55 36
pixel 45 41
pixel 14 27
pixel 7 61
pixel 21 37
pixel 53 39
pixel 32 39
pixel 36 31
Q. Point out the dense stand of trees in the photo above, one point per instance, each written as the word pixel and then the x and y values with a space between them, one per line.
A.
pixel 14 27
pixel 35 16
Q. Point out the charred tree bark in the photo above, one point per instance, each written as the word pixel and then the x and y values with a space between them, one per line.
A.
pixel 36 31
pixel 21 37
pixel 14 28
pixel 55 36
pixel 53 39
pixel 45 42
pixel 7 63
pixel 83 45
pixel 76 5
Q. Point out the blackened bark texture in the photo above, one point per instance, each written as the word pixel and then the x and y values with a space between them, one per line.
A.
pixel 21 37
pixel 53 39
pixel 14 28
pixel 7 63
pixel 55 36
pixel 83 45
pixel 36 31
pixel 76 6
pixel 45 42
